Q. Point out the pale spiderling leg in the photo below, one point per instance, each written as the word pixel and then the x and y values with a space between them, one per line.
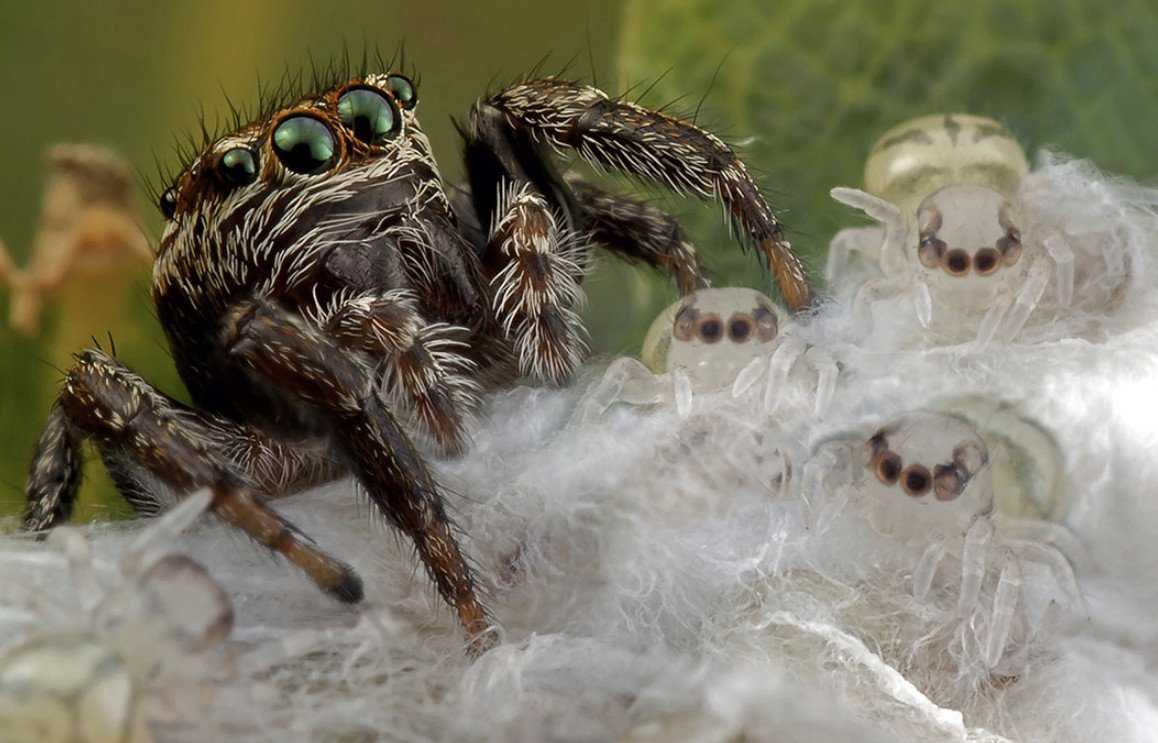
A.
pixel 826 375
pixel 822 503
pixel 845 244
pixel 926 569
pixel 923 304
pixel 626 380
pixel 1063 258
pixel 973 560
pixel 989 324
pixel 1004 606
pixel 868 294
pixel 1027 300
pixel 163 532
pixel 780 365
pixel 1048 534
pixel 749 376
pixel 77 552
pixel 892 256
pixel 682 387
pixel 1059 566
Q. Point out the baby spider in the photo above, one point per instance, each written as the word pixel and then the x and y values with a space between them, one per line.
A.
pixel 82 669
pixel 957 238
pixel 925 481
pixel 709 341
pixel 326 297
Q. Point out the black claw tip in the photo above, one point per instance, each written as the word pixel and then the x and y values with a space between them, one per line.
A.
pixel 349 591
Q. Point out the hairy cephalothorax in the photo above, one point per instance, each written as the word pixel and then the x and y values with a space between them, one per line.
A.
pixel 326 298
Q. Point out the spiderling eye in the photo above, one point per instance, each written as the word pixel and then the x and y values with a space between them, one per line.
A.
pixel 168 203
pixel 404 91
pixel 238 166
pixel 369 114
pixel 766 324
pixel 304 144
pixel 710 329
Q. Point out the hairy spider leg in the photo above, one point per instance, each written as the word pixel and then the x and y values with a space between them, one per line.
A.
pixel 614 134
pixel 103 400
pixel 304 363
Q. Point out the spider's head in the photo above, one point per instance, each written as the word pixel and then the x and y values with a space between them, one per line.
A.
pixel 926 472
pixel 968 242
pixel 713 333
pixel 337 160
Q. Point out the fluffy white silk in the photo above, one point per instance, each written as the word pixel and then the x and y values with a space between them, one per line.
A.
pixel 657 577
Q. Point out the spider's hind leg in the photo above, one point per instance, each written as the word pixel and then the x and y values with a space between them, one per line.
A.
pixel 139 428
pixel 639 232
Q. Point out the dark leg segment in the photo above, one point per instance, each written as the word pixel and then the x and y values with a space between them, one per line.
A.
pixel 639 232
pixel 610 133
pixel 127 418
pixel 303 362
pixel 425 370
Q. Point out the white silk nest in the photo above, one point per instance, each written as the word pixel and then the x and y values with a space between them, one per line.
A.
pixel 657 578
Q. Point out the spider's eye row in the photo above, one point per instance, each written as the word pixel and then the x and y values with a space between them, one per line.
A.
pixel 304 144
pixel 369 114
pixel 404 91
pixel 168 202
pixel 238 166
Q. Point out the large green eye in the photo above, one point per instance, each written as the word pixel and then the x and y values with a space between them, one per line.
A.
pixel 238 166
pixel 404 91
pixel 304 144
pixel 369 114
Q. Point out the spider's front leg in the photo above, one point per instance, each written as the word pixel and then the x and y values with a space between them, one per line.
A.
pixel 132 423
pixel 424 369
pixel 535 266
pixel 611 133
pixel 304 363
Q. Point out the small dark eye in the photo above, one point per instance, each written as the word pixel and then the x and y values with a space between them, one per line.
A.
pixel 766 324
pixel 888 467
pixel 404 91
pixel 986 261
pixel 685 323
pixel 168 202
pixel 930 250
pixel 957 262
pixel 369 115
pixel 238 166
pixel 304 144
pixel 711 329
pixel 739 328
pixel 947 482
pixel 915 480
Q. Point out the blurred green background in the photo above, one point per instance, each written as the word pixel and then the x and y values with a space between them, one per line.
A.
pixel 805 86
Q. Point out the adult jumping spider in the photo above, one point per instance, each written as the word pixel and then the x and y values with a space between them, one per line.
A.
pixel 318 283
